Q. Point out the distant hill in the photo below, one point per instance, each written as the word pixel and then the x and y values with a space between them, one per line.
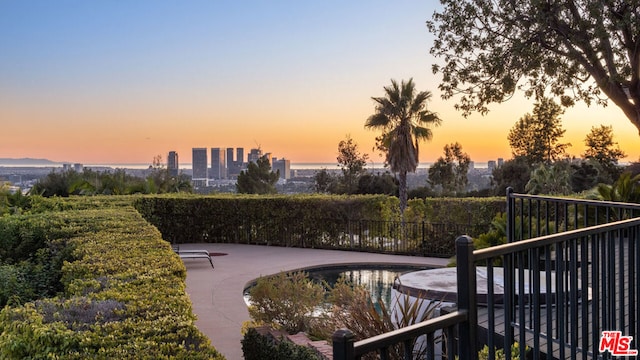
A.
pixel 26 161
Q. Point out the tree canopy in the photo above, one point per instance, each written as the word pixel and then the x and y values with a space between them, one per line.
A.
pixel 601 148
pixel 579 50
pixel 535 137
pixel 258 178
pixel 450 171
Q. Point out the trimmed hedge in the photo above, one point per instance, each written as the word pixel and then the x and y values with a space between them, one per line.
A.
pixel 250 218
pixel 124 295
pixel 363 223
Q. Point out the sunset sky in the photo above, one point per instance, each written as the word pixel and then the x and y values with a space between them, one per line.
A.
pixel 113 82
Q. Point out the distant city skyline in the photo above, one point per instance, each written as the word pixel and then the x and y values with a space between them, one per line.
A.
pixel 104 82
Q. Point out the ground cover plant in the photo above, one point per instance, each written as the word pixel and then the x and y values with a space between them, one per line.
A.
pixel 121 295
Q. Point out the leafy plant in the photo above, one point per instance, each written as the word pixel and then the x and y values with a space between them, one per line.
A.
pixel 286 300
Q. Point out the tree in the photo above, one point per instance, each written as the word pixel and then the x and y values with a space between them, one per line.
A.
pixel 325 182
pixel 602 148
pixel 536 136
pixel 550 179
pixel 514 173
pixel 450 171
pixel 378 184
pixel 403 117
pixel 491 48
pixel 258 178
pixel 352 163
pixel 587 174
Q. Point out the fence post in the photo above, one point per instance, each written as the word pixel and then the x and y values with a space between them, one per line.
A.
pixel 466 276
pixel 511 215
pixel 343 340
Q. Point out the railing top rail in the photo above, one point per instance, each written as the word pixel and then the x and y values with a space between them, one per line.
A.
pixel 410 332
pixel 522 245
pixel 615 204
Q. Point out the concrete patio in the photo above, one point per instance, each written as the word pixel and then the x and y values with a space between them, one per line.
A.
pixel 217 295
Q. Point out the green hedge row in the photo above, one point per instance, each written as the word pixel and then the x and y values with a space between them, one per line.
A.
pixel 244 218
pixel 365 223
pixel 124 294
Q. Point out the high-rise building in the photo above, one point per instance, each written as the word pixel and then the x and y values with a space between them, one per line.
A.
pixel 282 165
pixel 230 161
pixel 218 164
pixel 491 165
pixel 240 156
pixel 199 166
pixel 254 155
pixel 172 163
pixel 500 161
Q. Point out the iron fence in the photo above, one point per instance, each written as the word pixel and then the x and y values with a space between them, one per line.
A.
pixel 570 272
pixel 392 237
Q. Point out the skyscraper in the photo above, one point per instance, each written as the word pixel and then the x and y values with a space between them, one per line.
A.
pixel 172 163
pixel 218 164
pixel 199 166
pixel 254 155
pixel 240 156
pixel 230 161
pixel 282 165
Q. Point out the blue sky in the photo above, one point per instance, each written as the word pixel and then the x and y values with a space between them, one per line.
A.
pixel 115 81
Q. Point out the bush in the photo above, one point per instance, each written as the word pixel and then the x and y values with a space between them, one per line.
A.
pixel 286 301
pixel 122 293
pixel 259 347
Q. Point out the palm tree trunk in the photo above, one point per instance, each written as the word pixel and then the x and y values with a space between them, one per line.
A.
pixel 403 192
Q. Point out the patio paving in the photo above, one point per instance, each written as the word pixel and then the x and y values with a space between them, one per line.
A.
pixel 217 295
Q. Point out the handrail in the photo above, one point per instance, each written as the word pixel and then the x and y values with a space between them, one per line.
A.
pixel 568 200
pixel 498 250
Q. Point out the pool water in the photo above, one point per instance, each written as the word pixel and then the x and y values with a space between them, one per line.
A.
pixel 376 278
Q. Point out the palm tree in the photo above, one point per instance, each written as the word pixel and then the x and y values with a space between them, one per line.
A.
pixel 403 117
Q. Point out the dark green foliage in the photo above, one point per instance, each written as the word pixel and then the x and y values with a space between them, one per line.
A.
pixel 625 189
pixel 324 182
pixel 258 178
pixel 514 173
pixel 384 184
pixel 258 219
pixel 89 182
pixel 422 192
pixel 319 221
pixel 588 174
pixel 13 203
pixel 33 255
pixel 258 347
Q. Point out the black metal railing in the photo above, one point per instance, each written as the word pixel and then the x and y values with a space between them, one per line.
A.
pixel 570 271
pixel 392 237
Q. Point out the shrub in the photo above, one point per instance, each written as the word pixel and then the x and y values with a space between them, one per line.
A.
pixel 258 347
pixel 122 293
pixel 285 300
